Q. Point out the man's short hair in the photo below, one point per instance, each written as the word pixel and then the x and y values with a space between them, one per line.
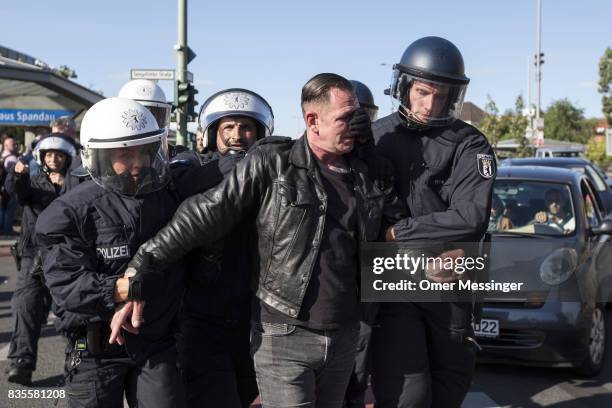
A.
pixel 316 90
pixel 64 124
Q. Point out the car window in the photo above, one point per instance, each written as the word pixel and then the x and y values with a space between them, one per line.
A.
pixel 530 207
pixel 600 183
pixel 592 213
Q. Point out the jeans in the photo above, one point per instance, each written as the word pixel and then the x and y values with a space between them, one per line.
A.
pixel 296 366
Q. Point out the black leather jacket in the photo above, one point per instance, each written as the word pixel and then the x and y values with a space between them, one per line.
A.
pixel 278 185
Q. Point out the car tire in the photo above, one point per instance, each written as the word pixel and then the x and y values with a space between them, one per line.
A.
pixel 596 355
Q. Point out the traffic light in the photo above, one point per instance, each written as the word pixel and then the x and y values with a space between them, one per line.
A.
pixel 535 59
pixel 186 98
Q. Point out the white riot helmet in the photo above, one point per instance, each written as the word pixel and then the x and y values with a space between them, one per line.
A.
pixel 124 149
pixel 54 141
pixel 234 102
pixel 149 94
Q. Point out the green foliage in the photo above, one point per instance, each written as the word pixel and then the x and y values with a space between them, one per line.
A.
pixel 66 72
pixel 564 121
pixel 490 124
pixel 605 84
pixel 511 125
pixel 596 152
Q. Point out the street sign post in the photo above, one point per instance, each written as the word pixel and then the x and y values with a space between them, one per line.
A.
pixel 608 142
pixel 153 74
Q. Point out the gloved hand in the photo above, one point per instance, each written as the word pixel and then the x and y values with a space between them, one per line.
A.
pixel 146 282
pixel 380 170
pixel 360 127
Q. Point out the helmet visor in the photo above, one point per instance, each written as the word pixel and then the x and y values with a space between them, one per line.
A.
pixel 132 170
pixel 161 114
pixel 425 101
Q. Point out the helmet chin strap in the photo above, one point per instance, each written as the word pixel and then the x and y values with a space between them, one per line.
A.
pixel 410 121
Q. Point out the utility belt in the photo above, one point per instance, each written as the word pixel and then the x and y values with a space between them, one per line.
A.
pixel 92 341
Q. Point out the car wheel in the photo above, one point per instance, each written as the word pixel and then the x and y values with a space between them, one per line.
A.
pixel 594 360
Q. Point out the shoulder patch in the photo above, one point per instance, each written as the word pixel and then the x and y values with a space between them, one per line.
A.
pixel 486 165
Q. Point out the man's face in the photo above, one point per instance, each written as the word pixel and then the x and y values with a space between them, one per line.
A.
pixel 10 145
pixel 328 122
pixel 427 100
pixel 554 202
pixel 199 141
pixel 131 160
pixel 55 160
pixel 235 133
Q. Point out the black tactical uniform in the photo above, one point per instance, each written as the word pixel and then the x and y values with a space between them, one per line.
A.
pixel 213 344
pixel 424 353
pixel 31 300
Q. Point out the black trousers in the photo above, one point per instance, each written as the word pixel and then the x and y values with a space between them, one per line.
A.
pixel 103 381
pixel 358 384
pixel 421 357
pixel 30 304
pixel 215 363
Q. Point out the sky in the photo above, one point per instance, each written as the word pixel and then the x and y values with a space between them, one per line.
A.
pixel 273 47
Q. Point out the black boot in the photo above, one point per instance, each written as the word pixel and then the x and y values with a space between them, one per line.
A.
pixel 20 372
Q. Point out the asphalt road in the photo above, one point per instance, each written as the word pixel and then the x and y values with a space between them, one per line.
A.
pixel 494 385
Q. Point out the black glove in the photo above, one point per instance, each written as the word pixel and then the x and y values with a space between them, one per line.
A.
pixel 360 127
pixel 380 170
pixel 146 281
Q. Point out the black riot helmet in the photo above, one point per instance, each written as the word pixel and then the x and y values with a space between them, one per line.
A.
pixel 365 98
pixel 429 83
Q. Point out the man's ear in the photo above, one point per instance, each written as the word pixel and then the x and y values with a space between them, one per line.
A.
pixel 312 121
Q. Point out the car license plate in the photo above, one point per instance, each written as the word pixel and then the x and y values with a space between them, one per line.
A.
pixel 487 328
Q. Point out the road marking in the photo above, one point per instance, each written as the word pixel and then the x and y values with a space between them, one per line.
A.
pixel 478 400
pixel 4 352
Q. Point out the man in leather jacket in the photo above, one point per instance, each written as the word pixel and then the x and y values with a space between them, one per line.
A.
pixel 311 202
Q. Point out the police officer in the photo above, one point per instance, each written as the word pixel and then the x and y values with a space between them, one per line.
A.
pixel 358 384
pixel 365 98
pixel 31 300
pixel 151 96
pixel 87 238
pixel 214 354
pixel 444 168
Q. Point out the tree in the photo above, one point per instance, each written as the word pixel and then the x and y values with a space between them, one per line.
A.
pixel 490 124
pixel 518 127
pixel 564 121
pixel 66 72
pixel 605 84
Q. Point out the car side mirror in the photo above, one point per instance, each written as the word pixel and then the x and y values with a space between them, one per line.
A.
pixel 605 228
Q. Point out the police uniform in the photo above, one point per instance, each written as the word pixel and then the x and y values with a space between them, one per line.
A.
pixel 214 341
pixel 424 353
pixel 445 177
pixel 88 237
pixel 31 300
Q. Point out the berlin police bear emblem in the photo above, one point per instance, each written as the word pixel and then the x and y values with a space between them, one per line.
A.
pixel 486 165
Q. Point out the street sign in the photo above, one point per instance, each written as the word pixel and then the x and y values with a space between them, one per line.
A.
pixel 188 76
pixel 153 74
pixel 31 117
